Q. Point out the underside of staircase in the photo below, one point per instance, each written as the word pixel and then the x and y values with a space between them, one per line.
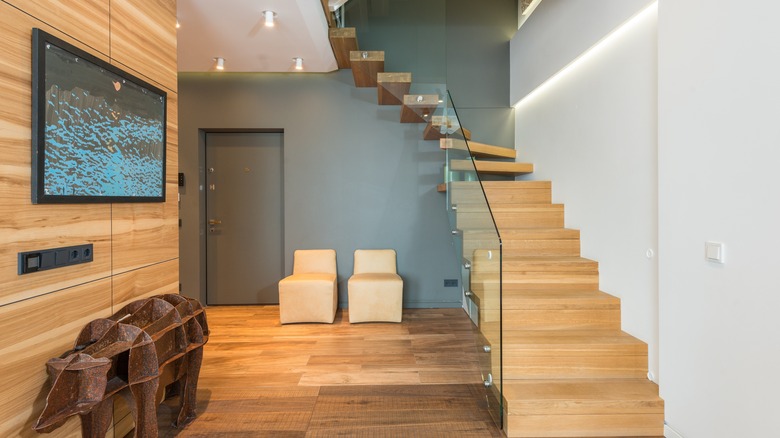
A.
pixel 568 368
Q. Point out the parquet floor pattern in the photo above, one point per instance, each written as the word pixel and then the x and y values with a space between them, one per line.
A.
pixel 419 378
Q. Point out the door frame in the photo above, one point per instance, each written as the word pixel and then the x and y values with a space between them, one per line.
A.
pixel 202 219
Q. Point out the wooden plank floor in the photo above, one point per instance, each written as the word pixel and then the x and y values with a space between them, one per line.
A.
pixel 259 378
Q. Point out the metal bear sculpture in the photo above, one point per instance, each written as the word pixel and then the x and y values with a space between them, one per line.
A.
pixel 150 339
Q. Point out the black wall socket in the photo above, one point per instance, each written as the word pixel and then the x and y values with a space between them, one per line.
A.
pixel 34 261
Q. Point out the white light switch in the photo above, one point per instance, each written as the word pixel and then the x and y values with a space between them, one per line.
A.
pixel 715 252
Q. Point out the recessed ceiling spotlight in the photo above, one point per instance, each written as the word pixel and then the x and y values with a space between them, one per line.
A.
pixel 269 18
pixel 219 63
pixel 298 63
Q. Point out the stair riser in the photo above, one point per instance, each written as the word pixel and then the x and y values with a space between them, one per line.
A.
pixel 460 196
pixel 572 283
pixel 487 297
pixel 607 425
pixel 552 319
pixel 589 319
pixel 510 220
pixel 575 366
pixel 566 247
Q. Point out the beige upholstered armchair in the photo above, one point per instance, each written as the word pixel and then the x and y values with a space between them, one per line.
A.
pixel 310 294
pixel 375 289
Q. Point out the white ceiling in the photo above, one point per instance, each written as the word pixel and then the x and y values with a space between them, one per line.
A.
pixel 234 30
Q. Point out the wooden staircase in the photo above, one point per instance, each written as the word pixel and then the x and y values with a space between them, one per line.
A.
pixel 568 369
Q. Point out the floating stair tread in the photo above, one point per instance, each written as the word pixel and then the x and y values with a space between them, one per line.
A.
pixel 343 41
pixel 479 150
pixel 441 188
pixel 418 108
pixel 587 396
pixel 392 86
pixel 492 167
pixel 433 129
pixel 366 65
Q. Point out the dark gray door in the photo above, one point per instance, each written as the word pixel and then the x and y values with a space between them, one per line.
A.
pixel 244 218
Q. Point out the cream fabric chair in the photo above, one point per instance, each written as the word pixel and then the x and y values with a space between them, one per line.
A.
pixel 310 294
pixel 375 289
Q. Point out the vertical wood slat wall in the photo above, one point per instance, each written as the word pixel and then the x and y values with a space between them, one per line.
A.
pixel 136 247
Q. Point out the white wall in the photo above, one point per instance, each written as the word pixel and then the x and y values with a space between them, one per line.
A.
pixel 719 150
pixel 557 32
pixel 593 133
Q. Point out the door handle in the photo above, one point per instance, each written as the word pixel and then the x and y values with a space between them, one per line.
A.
pixel 215 222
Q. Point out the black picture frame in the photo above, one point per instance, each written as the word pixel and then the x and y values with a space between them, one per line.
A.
pixel 119 135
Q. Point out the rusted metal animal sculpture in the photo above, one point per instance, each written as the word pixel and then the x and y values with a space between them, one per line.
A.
pixel 159 338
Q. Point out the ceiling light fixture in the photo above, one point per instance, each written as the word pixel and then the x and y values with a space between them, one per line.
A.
pixel 298 63
pixel 219 63
pixel 269 18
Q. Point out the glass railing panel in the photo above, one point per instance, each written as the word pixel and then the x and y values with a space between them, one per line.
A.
pixel 414 37
pixel 481 253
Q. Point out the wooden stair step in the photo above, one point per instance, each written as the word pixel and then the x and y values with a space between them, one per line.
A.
pixel 523 242
pixel 501 192
pixel 343 41
pixel 470 217
pixel 583 408
pixel 514 192
pixel 571 354
pixel 522 263
pixel 479 150
pixel 541 281
pixel 391 87
pixel 418 108
pixel 539 233
pixel 366 65
pixel 511 168
pixel 433 128
pixel 548 309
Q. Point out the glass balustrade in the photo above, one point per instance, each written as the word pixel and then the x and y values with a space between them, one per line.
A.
pixel 413 36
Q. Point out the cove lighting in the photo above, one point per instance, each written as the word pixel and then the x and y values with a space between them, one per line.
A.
pixel 604 43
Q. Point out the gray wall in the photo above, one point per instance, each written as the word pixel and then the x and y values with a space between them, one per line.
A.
pixel 354 177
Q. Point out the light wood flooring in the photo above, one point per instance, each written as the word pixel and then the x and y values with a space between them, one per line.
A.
pixel 419 378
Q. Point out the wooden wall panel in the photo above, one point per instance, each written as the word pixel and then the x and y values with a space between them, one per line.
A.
pixel 143 37
pixel 162 278
pixel 41 313
pixel 85 20
pixel 145 234
pixel 32 332
pixel 23 226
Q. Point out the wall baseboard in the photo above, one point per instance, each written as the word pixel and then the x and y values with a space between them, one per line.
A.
pixel 671 433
